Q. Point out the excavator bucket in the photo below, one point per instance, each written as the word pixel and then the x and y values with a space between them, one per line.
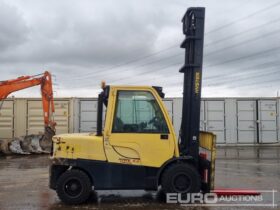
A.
pixel 46 141
pixel 30 144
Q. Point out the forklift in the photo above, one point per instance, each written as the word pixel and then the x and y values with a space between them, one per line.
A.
pixel 138 148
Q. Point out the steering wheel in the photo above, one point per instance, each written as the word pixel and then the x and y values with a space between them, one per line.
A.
pixel 155 120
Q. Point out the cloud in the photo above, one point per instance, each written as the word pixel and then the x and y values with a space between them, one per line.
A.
pixel 97 33
pixel 84 42
pixel 14 30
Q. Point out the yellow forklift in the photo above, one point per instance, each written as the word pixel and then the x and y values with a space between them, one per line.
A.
pixel 138 148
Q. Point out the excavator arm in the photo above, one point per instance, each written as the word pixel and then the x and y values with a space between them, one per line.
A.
pixel 45 80
pixel 9 86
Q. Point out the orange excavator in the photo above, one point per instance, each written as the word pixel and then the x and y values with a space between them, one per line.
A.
pixel 45 80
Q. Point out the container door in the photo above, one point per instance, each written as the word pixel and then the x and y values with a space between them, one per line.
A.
pixel 246 122
pixel 215 119
pixel 7 120
pixel 267 121
pixel 35 121
pixel 88 115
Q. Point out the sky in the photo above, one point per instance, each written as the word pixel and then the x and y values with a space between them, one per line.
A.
pixel 137 42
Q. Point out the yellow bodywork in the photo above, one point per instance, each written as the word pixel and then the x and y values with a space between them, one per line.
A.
pixel 146 149
pixel 73 146
pixel 138 148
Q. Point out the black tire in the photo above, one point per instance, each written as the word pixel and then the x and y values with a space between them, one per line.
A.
pixel 181 178
pixel 73 187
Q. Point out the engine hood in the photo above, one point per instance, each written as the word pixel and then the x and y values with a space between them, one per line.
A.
pixel 71 135
pixel 78 146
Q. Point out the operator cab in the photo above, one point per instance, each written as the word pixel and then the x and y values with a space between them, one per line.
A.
pixel 136 122
pixel 130 107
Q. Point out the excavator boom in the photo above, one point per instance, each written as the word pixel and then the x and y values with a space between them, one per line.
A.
pixel 45 80
pixel 9 86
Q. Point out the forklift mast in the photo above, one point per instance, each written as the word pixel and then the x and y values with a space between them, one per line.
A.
pixel 193 28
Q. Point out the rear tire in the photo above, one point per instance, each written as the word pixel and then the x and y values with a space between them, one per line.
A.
pixel 181 178
pixel 73 187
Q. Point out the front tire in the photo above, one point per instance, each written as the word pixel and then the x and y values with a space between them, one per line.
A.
pixel 73 187
pixel 181 178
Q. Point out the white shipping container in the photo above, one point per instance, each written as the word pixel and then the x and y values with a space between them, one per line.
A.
pixel 257 121
pixel 246 121
pixel 214 116
pixel 211 117
pixel 169 106
pixel 267 116
pixel 87 115
pixel 233 120
pixel 7 119
pixel 230 121
pixel 35 121
pixel 202 116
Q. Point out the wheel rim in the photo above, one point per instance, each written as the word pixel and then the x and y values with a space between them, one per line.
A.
pixel 73 188
pixel 181 183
